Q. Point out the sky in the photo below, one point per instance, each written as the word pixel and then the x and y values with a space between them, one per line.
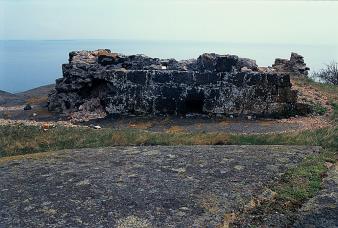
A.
pixel 269 21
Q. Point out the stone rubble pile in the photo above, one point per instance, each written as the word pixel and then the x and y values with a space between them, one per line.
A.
pixel 295 65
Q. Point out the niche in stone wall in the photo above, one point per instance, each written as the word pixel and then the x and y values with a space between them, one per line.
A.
pixel 96 89
pixel 194 102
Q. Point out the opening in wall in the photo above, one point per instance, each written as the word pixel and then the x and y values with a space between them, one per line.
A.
pixel 194 103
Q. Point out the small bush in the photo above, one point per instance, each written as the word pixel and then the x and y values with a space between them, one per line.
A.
pixel 319 109
pixel 329 74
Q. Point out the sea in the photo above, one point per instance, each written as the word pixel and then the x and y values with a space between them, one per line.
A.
pixel 27 64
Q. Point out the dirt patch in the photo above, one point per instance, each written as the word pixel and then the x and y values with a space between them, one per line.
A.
pixel 307 123
pixel 211 125
pixel 309 94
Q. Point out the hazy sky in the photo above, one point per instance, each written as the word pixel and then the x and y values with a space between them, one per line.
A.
pixel 297 22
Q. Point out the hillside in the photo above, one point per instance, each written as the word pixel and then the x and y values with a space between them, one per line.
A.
pixel 9 99
pixel 41 91
pixel 33 96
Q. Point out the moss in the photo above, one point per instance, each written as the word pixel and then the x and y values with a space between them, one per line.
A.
pixel 302 182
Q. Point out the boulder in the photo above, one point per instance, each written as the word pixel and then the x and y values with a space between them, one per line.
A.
pixel 27 107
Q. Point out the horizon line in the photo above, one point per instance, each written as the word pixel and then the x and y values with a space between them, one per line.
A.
pixel 174 40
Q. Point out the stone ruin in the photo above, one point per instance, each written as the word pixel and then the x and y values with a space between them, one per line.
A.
pixel 295 65
pixel 139 85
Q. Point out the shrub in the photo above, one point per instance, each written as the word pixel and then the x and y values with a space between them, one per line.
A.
pixel 329 74
pixel 319 109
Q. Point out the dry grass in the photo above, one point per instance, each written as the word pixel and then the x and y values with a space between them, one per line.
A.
pixel 20 139
pixel 224 123
pixel 37 100
pixel 42 111
pixel 175 129
pixel 35 156
pixel 266 123
pixel 140 125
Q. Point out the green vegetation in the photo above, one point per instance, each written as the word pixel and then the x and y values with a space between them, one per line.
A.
pixel 302 182
pixel 334 116
pixel 296 186
pixel 319 109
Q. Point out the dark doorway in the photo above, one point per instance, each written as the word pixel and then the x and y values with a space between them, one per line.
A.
pixel 194 106
pixel 194 103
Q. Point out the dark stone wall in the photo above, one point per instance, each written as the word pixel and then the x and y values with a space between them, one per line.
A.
pixel 212 84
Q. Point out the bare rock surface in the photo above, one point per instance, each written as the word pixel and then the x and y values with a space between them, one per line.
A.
pixel 160 186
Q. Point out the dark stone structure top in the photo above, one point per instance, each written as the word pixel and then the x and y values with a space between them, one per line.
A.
pixel 295 65
pixel 137 84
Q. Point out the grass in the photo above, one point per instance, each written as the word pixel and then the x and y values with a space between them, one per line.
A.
pixel 302 182
pixel 296 186
pixel 16 140
pixel 334 115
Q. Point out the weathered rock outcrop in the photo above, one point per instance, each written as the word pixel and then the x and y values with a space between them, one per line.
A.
pixel 137 84
pixel 294 66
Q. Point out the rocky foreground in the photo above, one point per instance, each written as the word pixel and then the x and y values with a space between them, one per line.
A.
pixel 141 186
